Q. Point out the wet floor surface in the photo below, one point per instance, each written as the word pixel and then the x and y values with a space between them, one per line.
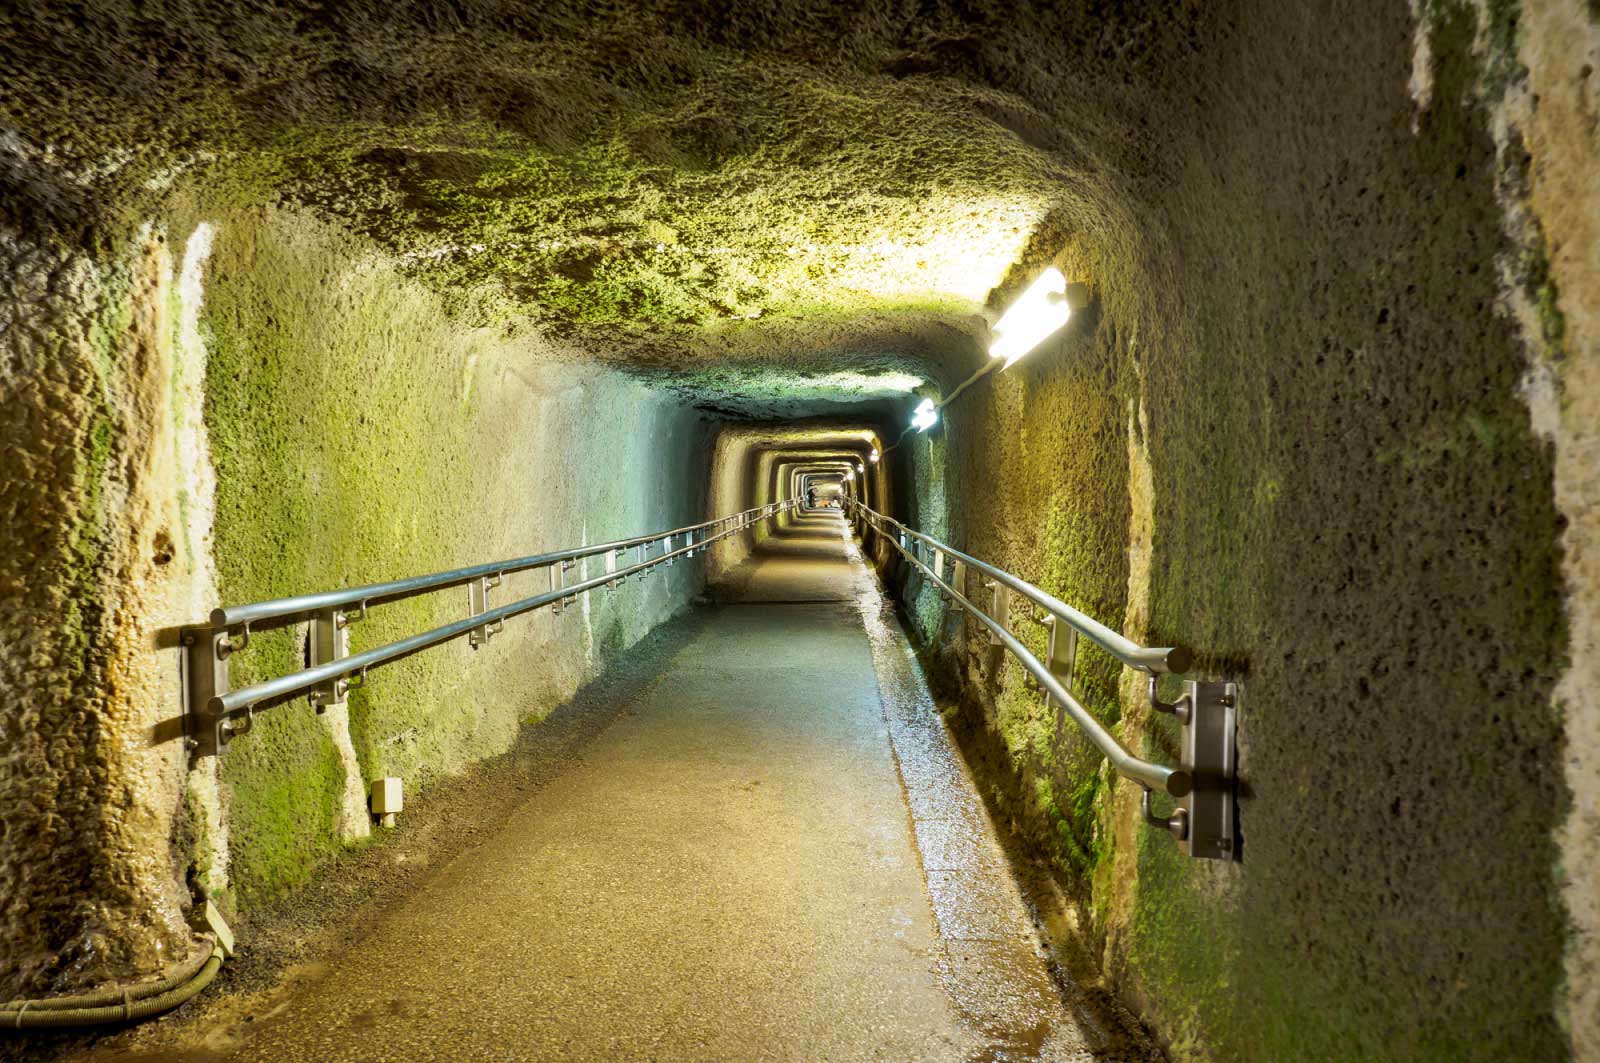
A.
pixel 773 852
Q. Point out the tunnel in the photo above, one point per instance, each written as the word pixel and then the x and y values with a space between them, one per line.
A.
pixel 746 529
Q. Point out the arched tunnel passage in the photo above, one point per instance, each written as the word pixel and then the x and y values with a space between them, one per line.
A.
pixel 491 351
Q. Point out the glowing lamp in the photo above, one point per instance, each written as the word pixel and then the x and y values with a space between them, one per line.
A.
pixel 1035 316
pixel 873 457
pixel 925 416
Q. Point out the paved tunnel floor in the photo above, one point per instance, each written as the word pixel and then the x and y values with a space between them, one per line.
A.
pixel 772 853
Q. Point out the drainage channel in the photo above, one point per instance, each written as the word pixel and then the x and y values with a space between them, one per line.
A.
pixel 1007 974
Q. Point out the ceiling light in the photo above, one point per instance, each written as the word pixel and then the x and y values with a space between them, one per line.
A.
pixel 1037 314
pixel 926 416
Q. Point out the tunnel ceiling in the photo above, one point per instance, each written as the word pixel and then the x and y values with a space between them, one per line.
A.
pixel 785 212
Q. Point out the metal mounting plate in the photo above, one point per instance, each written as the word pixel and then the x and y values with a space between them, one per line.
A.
pixel 1062 658
pixel 477 603
pixel 1209 752
pixel 999 607
pixel 205 676
pixel 329 640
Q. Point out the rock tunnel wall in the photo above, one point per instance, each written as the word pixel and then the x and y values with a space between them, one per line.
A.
pixel 1308 429
pixel 239 403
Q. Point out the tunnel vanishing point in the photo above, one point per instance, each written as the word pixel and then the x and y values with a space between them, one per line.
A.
pixel 774 530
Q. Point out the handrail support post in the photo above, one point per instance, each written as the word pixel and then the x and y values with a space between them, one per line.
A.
pixel 1210 753
pixel 999 607
pixel 205 676
pixel 328 640
pixel 1062 656
pixel 567 566
pixel 478 602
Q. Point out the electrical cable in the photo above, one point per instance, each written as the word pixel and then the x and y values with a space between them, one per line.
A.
pixel 983 370
pixel 118 1003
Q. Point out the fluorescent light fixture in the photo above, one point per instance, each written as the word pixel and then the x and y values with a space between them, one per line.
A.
pixel 874 456
pixel 1036 315
pixel 926 416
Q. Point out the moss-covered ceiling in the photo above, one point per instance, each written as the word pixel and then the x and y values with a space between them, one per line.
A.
pixel 770 204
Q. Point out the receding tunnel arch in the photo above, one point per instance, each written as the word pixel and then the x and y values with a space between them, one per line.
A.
pixel 749 462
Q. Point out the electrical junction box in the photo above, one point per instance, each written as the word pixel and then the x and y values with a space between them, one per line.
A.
pixel 386 799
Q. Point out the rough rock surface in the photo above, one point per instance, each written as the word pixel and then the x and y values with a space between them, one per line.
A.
pixel 1318 333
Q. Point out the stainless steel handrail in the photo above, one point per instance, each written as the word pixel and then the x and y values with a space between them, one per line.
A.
pixel 1174 781
pixel 1173 659
pixel 210 702
pixel 301 606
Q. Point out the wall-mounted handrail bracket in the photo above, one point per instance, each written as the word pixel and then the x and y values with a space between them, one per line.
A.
pixel 229 644
pixel 205 676
pixel 1204 784
pixel 230 727
pixel 1210 753
pixel 345 619
pixel 1179 708
pixel 478 604
pixel 567 566
pixel 328 640
pixel 999 608
pixel 1176 824
pixel 1061 657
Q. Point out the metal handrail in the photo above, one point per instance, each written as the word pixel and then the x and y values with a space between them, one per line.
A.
pixel 1156 660
pixel 299 607
pixel 210 702
pixel 1174 781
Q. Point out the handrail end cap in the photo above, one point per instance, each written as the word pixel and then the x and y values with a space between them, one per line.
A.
pixel 1179 659
pixel 1179 783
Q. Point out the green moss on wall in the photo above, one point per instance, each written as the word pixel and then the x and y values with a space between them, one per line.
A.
pixel 337 433
pixel 1065 517
pixel 360 435
pixel 1352 518
pixel 1368 543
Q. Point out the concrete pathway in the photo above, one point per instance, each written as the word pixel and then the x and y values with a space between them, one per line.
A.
pixel 767 856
